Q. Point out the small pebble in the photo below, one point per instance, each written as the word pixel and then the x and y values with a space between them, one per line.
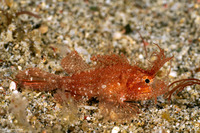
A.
pixel 115 129
pixel 13 86
pixel 43 29
pixel 173 74
pixel 117 35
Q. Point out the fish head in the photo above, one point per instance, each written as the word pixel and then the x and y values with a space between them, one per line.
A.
pixel 143 86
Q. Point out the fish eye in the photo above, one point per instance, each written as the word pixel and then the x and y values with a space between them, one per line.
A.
pixel 147 81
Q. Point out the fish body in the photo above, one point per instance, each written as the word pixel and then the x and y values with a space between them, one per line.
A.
pixel 106 83
pixel 111 79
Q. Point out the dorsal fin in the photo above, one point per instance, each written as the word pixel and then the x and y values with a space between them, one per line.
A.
pixel 161 59
pixel 74 63
pixel 106 60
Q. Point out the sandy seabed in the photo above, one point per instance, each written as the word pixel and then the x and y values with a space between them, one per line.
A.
pixel 97 27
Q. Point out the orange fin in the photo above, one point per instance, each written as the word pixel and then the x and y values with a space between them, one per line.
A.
pixel 180 85
pixel 159 62
pixel 34 78
pixel 120 112
pixel 107 60
pixel 73 63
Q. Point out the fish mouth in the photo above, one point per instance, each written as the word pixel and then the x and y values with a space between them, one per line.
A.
pixel 144 94
pixel 144 91
pixel 141 96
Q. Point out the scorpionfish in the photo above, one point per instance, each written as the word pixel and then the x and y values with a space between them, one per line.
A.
pixel 111 79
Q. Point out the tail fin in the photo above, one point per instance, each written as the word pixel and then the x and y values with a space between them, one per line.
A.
pixel 36 79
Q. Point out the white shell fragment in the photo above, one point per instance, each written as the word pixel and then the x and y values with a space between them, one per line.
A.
pixel 117 35
pixel 12 86
pixel 89 107
pixel 173 74
pixel 115 129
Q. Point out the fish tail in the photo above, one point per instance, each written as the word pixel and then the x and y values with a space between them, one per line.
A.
pixel 36 79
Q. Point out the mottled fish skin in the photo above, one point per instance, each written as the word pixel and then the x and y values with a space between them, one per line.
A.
pixel 112 80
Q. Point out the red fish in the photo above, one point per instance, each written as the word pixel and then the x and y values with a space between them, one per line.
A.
pixel 112 80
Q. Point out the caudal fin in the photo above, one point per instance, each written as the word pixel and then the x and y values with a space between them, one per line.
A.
pixel 34 78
